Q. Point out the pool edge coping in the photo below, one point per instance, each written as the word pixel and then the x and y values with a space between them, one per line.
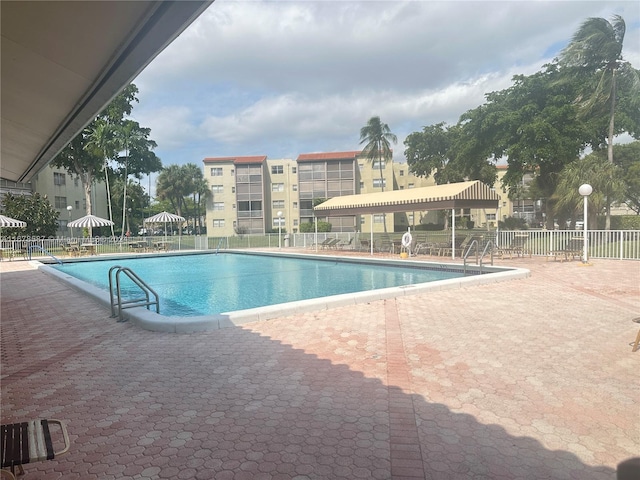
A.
pixel 152 321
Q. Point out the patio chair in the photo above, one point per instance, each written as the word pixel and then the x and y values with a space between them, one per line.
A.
pixel 457 248
pixel 345 245
pixel 573 248
pixel 331 243
pixel 28 442
pixel 516 247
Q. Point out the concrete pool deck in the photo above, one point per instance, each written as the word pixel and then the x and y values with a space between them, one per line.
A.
pixel 531 378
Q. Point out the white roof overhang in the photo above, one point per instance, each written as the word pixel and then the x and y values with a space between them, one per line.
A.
pixel 63 62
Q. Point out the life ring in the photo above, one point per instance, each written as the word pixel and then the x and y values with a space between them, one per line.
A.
pixel 406 240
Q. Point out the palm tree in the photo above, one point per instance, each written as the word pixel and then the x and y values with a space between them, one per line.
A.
pixel 377 136
pixel 595 51
pixel 126 135
pixel 101 140
pixel 605 178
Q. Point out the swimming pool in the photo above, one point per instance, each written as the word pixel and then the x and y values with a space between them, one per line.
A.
pixel 206 290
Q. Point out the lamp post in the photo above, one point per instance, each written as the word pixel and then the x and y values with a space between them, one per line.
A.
pixel 279 229
pixel 69 208
pixel 585 190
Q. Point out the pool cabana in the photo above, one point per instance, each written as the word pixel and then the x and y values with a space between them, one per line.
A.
pixel 472 194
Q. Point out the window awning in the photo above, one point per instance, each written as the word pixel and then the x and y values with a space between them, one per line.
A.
pixel 473 194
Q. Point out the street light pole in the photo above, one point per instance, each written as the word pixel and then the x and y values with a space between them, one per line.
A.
pixel 585 190
pixel 69 208
pixel 279 229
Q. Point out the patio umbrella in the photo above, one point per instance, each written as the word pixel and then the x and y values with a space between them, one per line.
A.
pixel 164 217
pixel 8 222
pixel 90 221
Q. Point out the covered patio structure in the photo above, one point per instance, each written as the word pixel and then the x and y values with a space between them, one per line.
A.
pixel 471 194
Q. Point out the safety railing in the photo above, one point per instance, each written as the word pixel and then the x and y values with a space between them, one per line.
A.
pixel 116 297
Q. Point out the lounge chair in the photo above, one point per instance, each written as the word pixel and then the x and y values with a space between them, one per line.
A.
pixel 344 245
pixel 574 248
pixel 331 243
pixel 516 247
pixel 28 442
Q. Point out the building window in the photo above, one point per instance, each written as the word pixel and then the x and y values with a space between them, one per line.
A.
pixel 410 216
pixel 77 204
pixel 277 204
pixel 277 169
pixel 59 178
pixel 277 187
pixel 295 205
pixel 377 182
pixel 361 166
pixel 295 223
pixel 402 173
pixel 491 216
pixel 294 169
pixel 61 203
pixel 76 182
pixel 401 187
pixel 278 221
pixel 218 223
pixel 216 171
pixel 294 188
pixel 233 189
pixel 217 188
pixel 377 165
pixel 218 205
pixel 411 185
pixel 378 218
pixel 232 172
pixel 361 185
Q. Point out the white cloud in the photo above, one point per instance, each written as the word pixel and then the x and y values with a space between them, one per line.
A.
pixel 284 78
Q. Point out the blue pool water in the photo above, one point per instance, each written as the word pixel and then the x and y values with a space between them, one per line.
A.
pixel 208 284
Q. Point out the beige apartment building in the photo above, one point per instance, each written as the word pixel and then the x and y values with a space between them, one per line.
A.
pixel 256 195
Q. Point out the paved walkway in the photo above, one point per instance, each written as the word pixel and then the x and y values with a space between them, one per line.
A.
pixel 533 378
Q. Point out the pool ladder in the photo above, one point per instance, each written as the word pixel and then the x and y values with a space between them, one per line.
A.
pixel 116 298
pixel 488 248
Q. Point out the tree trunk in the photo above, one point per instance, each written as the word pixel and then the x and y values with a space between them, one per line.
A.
pixel 607 224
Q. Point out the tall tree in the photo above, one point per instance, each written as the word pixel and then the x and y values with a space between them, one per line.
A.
pixel 100 140
pixel 199 190
pixel 35 210
pixel 533 126
pixel 90 154
pixel 172 186
pixel 377 137
pixel 628 159
pixel 595 55
pixel 435 151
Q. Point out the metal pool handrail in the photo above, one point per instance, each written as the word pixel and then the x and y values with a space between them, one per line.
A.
pixel 136 302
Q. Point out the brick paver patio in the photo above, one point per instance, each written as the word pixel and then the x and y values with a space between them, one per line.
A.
pixel 528 379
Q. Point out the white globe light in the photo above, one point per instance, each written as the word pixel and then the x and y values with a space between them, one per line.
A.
pixel 585 190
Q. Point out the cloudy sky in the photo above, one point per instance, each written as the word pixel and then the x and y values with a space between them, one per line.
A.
pixel 281 78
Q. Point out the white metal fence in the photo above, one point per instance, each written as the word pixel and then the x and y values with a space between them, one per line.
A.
pixel 611 244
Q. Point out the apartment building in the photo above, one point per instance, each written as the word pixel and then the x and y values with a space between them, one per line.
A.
pixel 64 191
pixel 255 194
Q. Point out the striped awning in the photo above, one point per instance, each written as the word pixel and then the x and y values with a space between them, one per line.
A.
pixel 473 194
